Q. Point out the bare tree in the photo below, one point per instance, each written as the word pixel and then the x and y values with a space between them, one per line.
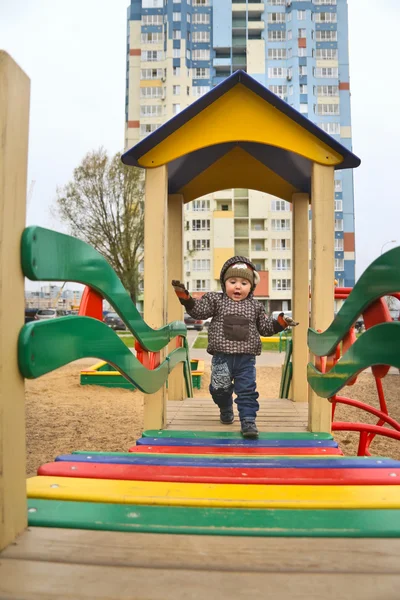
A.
pixel 103 205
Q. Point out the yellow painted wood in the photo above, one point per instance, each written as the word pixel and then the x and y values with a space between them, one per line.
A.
pixel 155 278
pixel 176 382
pixel 14 125
pixel 238 169
pixel 221 255
pixel 322 275
pixel 240 115
pixel 223 495
pixel 300 301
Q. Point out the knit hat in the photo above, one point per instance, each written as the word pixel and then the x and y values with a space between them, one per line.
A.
pixel 243 271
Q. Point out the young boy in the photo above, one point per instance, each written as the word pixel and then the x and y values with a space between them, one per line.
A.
pixel 238 320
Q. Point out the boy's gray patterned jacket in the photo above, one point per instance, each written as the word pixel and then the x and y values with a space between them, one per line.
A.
pixel 236 326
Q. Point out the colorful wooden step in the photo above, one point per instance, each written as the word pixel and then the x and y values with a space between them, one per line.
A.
pixel 223 474
pixel 239 462
pixel 236 435
pixel 214 495
pixel 239 443
pixel 214 521
pixel 238 450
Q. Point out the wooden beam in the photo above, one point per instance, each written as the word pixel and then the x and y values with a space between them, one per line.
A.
pixel 14 125
pixel 322 275
pixel 176 382
pixel 155 278
pixel 300 297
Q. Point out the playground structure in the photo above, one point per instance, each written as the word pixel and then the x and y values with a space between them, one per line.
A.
pixel 194 485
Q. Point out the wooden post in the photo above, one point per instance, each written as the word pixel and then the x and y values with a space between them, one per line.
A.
pixel 155 278
pixel 14 125
pixel 300 296
pixel 176 383
pixel 322 276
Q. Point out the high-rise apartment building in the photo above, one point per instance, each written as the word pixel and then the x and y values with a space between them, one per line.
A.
pixel 298 49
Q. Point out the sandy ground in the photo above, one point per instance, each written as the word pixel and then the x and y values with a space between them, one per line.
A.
pixel 63 416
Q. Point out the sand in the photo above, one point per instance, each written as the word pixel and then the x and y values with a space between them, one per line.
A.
pixel 63 416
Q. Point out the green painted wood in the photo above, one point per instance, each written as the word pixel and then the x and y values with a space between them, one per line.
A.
pixel 111 382
pixel 382 277
pixel 51 256
pixel 379 345
pixel 286 376
pixel 235 435
pixel 214 521
pixel 79 337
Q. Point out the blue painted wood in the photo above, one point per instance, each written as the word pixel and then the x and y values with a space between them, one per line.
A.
pixel 317 463
pixel 237 443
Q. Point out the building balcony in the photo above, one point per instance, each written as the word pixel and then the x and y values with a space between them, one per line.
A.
pixel 253 8
pixel 239 25
pixel 221 63
pixel 255 25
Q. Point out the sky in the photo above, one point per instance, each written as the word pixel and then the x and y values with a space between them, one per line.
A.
pixel 75 54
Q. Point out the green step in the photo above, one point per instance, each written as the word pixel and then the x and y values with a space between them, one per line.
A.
pixel 214 521
pixel 236 435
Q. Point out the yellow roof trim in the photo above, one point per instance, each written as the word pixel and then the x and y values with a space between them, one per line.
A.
pixel 240 115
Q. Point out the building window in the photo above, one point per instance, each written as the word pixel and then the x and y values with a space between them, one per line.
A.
pixel 152 3
pixel 201 285
pixel 200 55
pixel 199 90
pixel 201 18
pixel 201 73
pixel 276 53
pixel 279 205
pixel 176 52
pixel 152 20
pixel 303 108
pixel 279 90
pixel 200 245
pixel 176 108
pixel 277 72
pixel 339 205
pixel 303 71
pixel 152 55
pixel 151 73
pixel 280 224
pixel 176 90
pixel 328 72
pixel 176 34
pixel 152 38
pixel 338 224
pixel 276 36
pixel 281 285
pixel 339 264
pixel 338 185
pixel 326 36
pixel 281 264
pixel 201 225
pixel 201 3
pixel 151 92
pixel 301 15
pixel 201 36
pixel 301 52
pixel 331 128
pixel 277 2
pixel 339 245
pixel 276 17
pixel 176 71
pixel 325 2
pixel 200 205
pixel 327 109
pixel 281 244
pixel 327 90
pixel 303 88
pixel 201 264
pixel 176 16
pixel 326 54
pixel 325 17
pixel 150 110
pixel 146 128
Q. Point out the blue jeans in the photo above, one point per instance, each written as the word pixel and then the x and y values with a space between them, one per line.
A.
pixel 235 373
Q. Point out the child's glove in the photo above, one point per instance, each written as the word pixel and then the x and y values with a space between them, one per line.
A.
pixel 181 291
pixel 286 321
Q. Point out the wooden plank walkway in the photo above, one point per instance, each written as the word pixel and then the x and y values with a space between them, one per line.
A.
pixel 201 414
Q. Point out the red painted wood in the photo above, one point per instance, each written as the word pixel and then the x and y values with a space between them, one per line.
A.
pixel 91 304
pixel 378 312
pixel 232 450
pixel 223 474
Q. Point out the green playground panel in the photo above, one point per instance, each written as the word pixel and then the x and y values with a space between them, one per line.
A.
pixel 214 521
pixel 235 435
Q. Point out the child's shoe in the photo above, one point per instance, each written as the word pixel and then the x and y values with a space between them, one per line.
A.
pixel 226 416
pixel 249 429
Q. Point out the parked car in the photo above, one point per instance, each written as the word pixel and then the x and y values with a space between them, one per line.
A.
pixel 192 323
pixel 113 320
pixel 45 313
pixel 30 314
